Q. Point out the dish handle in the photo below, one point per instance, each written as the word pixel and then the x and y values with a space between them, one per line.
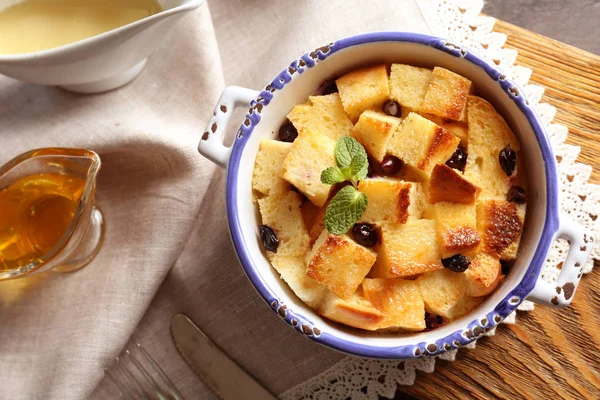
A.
pixel 560 293
pixel 211 145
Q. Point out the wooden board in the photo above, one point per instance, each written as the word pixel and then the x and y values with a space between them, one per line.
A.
pixel 550 354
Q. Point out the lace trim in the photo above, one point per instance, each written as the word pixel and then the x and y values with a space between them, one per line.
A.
pixel 459 21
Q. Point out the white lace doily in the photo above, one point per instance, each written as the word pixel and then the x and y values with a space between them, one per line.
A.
pixel 459 21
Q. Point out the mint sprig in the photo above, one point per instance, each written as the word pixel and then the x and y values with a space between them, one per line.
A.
pixel 348 205
pixel 344 210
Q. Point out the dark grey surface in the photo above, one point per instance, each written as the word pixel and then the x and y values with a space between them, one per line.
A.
pixel 576 22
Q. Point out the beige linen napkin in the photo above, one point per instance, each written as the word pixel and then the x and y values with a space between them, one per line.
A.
pixel 164 206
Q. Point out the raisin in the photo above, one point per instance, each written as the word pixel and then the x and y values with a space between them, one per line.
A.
pixel 365 234
pixel 269 238
pixel 456 263
pixel 288 132
pixel 459 159
pixel 391 165
pixel 508 160
pixel 392 108
pixel 516 194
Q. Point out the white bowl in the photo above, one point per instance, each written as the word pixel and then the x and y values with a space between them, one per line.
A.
pixel 102 62
pixel 267 111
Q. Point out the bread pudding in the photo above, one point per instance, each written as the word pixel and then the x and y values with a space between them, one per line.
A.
pixel 392 199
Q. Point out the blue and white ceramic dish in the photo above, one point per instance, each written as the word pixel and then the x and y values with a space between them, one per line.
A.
pixel 267 111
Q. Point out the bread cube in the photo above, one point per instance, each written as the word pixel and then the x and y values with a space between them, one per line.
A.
pixel 488 132
pixel 362 89
pixel 310 154
pixel 483 275
pixel 409 84
pixel 456 228
pixel 422 208
pixel 485 172
pixel 500 224
pixel 373 130
pixel 281 213
pixel 442 291
pixel 355 311
pixel 449 185
pixel 464 306
pixel 433 118
pixel 407 249
pixel 322 114
pixel 399 300
pixel 388 200
pixel 421 144
pixel 446 95
pixel 293 271
pixel 267 167
pixel 460 130
pixel 339 263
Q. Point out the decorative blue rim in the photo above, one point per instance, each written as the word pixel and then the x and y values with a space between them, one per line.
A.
pixel 478 326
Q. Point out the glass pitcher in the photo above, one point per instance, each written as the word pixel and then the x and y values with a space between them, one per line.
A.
pixel 48 216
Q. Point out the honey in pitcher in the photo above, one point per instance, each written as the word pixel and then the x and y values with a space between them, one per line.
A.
pixel 35 213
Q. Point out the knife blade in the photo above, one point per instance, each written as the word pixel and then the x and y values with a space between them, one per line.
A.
pixel 212 365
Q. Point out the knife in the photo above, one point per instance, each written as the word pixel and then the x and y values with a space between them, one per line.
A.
pixel 212 365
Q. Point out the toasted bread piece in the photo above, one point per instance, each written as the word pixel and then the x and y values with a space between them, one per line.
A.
pixel 355 311
pixel 399 300
pixel 322 114
pixel 433 118
pixel 500 224
pixel 362 89
pixel 373 130
pixel 310 154
pixel 446 95
pixel 388 200
pixel 483 275
pixel 488 132
pixel 421 144
pixel 456 228
pixel 465 305
pixel 485 172
pixel 267 168
pixel 448 184
pixel 293 271
pixel 281 212
pixel 339 263
pixel 460 130
pixel 409 84
pixel 407 249
pixel 422 208
pixel 442 291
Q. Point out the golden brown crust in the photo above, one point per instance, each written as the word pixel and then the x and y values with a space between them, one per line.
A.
pixel 458 103
pixel 441 139
pixel 413 268
pixel 449 185
pixel 499 224
pixel 354 311
pixel 403 204
pixel 331 244
pixel 460 239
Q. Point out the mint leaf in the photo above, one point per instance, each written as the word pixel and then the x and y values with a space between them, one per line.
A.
pixel 346 149
pixel 359 166
pixel 332 175
pixel 346 207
